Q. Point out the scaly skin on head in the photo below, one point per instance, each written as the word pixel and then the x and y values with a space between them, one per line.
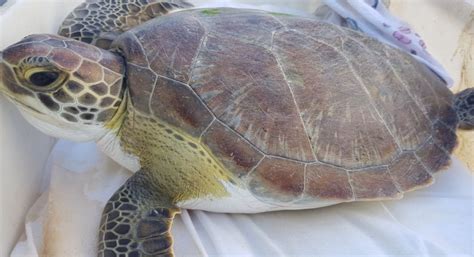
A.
pixel 64 87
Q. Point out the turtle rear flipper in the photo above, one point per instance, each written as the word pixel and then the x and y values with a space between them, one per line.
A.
pixel 99 22
pixel 136 222
pixel 464 106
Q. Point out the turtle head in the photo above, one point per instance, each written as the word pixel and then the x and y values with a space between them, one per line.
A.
pixel 64 87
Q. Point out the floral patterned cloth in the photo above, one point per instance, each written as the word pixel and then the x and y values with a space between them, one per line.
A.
pixel 373 18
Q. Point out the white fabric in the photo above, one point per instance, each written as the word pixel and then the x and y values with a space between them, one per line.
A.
pixel 437 221
pixel 373 18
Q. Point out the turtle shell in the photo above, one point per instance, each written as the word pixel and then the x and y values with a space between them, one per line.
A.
pixel 298 108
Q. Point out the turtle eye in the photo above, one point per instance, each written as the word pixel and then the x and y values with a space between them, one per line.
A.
pixel 43 78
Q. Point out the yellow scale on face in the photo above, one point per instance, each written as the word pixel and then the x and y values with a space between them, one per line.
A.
pixel 182 167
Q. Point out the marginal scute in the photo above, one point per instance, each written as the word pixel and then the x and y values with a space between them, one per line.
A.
pixel 433 156
pixel 277 180
pixel 409 173
pixel 373 183
pixel 231 149
pixel 327 182
pixel 447 115
pixel 444 136
pixel 176 104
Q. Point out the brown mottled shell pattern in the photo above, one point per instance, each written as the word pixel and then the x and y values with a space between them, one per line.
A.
pixel 300 109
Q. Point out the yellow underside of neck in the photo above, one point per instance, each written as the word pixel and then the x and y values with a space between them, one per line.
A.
pixel 181 165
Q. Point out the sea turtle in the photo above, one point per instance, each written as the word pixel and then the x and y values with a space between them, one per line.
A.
pixel 232 110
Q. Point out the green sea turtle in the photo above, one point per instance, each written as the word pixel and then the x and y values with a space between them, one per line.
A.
pixel 232 110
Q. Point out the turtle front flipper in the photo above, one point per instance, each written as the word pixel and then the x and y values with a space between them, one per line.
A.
pixel 99 22
pixel 136 221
